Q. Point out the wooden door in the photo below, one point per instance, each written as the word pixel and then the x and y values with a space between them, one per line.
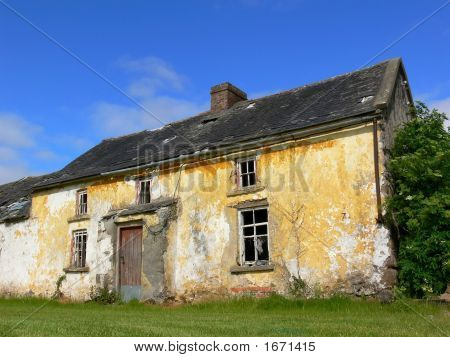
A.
pixel 130 262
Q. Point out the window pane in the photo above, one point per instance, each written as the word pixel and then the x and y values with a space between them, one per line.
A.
pixel 251 179
pixel 244 180
pixel 247 217
pixel 251 166
pixel 243 167
pixel 261 215
pixel 261 230
pixel 83 256
pixel 144 194
pixel 249 231
pixel 249 246
pixel 262 248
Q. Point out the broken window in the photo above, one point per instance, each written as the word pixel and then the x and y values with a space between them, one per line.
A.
pixel 79 249
pixel 254 235
pixel 82 202
pixel 144 192
pixel 246 172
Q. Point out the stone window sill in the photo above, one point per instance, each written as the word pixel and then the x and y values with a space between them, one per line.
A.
pixel 76 270
pixel 245 191
pixel 81 217
pixel 241 269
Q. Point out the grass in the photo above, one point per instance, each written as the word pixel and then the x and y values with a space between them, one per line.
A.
pixel 273 316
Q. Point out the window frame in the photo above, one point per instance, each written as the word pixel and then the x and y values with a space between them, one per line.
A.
pixel 139 201
pixel 76 261
pixel 82 207
pixel 242 238
pixel 240 175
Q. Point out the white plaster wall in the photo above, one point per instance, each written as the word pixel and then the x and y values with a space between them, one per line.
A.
pixel 18 249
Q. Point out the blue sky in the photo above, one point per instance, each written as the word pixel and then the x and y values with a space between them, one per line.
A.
pixel 166 55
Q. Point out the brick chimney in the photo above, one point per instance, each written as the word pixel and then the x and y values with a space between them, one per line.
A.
pixel 224 95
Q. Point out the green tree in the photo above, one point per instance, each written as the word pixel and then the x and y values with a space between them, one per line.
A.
pixel 419 170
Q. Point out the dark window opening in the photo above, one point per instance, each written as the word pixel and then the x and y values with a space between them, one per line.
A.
pixel 254 232
pixel 247 173
pixel 81 202
pixel 144 192
pixel 79 249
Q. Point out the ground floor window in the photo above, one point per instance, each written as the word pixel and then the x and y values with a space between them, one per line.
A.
pixel 79 249
pixel 254 236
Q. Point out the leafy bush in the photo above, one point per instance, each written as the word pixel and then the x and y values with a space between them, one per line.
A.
pixel 104 295
pixel 419 170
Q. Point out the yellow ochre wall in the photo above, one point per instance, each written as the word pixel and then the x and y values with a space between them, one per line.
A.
pixel 322 224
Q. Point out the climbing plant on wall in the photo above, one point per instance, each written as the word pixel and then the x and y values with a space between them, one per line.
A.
pixel 419 169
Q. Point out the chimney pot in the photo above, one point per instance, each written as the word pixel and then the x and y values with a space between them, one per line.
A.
pixel 224 96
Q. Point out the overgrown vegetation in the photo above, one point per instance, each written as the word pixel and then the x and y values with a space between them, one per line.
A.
pixel 104 295
pixel 419 170
pixel 58 293
pixel 273 316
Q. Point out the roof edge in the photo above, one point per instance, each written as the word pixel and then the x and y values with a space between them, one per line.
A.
pixel 249 144
pixel 386 91
pixel 387 83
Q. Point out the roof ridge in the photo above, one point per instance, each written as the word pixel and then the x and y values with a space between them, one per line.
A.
pixel 321 81
pixel 249 100
pixel 125 135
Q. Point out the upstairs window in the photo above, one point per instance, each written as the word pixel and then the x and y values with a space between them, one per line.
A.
pixel 246 170
pixel 144 192
pixel 79 249
pixel 255 236
pixel 81 202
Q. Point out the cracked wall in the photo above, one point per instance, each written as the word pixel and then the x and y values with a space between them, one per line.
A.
pixel 322 226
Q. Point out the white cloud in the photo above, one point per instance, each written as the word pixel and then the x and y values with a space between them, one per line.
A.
pixel 154 73
pixel 7 154
pixel 118 119
pixel 442 105
pixel 156 77
pixel 19 149
pixel 13 172
pixel 17 132
pixel 76 142
pixel 46 155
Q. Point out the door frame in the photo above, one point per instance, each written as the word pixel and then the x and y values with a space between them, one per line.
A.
pixel 120 226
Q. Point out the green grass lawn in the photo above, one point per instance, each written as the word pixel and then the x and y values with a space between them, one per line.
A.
pixel 274 316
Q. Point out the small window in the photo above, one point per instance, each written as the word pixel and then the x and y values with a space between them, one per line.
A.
pixel 246 172
pixel 79 249
pixel 255 236
pixel 82 202
pixel 144 192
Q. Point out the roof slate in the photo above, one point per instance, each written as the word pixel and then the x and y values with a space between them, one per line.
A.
pixel 15 199
pixel 348 95
pixel 325 101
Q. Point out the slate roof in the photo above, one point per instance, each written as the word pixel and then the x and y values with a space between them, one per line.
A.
pixel 15 199
pixel 348 95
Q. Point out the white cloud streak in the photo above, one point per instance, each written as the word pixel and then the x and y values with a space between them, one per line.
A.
pixel 443 105
pixel 154 79
pixel 17 132
pixel 18 145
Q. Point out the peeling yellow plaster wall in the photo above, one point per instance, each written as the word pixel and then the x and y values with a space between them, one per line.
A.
pixel 333 193
pixel 322 220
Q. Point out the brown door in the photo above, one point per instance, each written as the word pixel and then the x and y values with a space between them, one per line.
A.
pixel 130 261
